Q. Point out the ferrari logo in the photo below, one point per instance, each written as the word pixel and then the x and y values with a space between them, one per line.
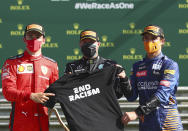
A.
pixel 44 70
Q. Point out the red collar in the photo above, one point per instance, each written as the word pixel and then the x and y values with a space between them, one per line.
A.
pixel 30 57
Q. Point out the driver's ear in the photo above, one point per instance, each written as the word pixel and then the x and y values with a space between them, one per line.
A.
pixel 98 43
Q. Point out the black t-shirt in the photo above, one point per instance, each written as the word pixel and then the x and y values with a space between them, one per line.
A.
pixel 122 85
pixel 88 100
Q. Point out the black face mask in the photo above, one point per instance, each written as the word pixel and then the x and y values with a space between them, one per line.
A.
pixel 88 50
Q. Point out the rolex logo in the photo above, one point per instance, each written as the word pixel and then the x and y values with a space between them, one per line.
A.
pixel 132 51
pixel 48 39
pixel 132 25
pixel 19 2
pixel 76 26
pixel 76 51
pixel 104 38
pixel 20 51
pixel 20 26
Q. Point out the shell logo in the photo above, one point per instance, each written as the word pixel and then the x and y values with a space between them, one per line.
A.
pixel 21 68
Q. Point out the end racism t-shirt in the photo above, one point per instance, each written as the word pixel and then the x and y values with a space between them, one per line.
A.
pixel 88 100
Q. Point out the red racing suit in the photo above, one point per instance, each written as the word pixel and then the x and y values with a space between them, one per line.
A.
pixel 22 75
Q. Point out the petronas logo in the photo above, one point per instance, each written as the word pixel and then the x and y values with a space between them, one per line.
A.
pixel 20 51
pixel 104 38
pixel 48 39
pixel 76 51
pixel 76 26
pixel 19 2
pixel 132 51
pixel 132 25
pixel 20 26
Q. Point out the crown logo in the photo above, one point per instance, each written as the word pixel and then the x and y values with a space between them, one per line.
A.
pixel 132 51
pixel 187 1
pixel 48 39
pixel 187 50
pixel 19 2
pixel 104 38
pixel 76 51
pixel 76 26
pixel 20 26
pixel 20 51
pixel 1 20
pixel 186 24
pixel 132 25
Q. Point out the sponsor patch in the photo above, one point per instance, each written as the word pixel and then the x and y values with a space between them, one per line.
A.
pixel 156 72
pixel 169 72
pixel 100 66
pixel 29 68
pixel 147 85
pixel 141 73
pixel 142 67
pixel 156 66
pixel 21 68
pixel 24 68
pixel 5 72
pixel 165 83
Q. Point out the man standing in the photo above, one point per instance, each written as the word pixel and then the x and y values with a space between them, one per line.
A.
pixel 155 80
pixel 24 78
pixel 89 89
pixel 89 44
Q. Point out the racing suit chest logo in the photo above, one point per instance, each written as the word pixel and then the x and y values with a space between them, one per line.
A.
pixel 141 73
pixel 25 68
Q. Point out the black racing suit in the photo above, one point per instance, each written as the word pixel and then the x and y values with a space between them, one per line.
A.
pixel 122 85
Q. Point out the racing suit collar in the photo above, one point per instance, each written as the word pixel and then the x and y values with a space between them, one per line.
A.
pixel 90 61
pixel 30 57
pixel 153 59
pixel 91 64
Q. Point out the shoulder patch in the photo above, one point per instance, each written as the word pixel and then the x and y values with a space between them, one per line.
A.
pixel 172 72
pixel 50 59
pixel 110 61
pixel 15 57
